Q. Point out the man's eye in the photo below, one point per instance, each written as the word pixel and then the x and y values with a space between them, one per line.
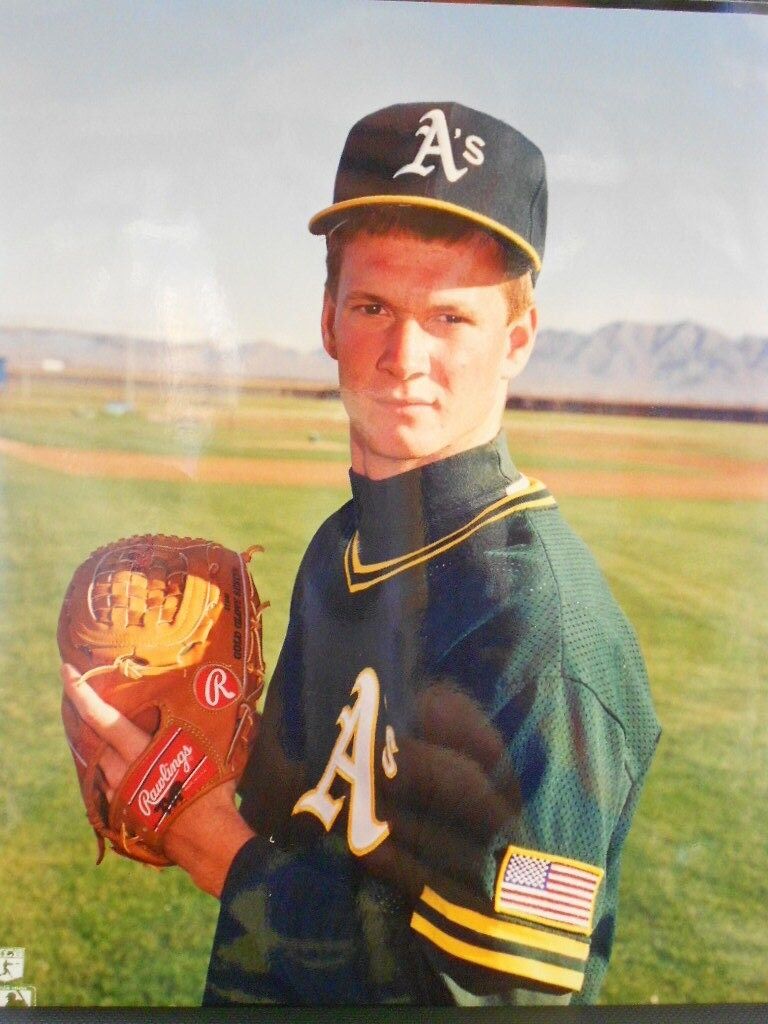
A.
pixel 371 308
pixel 451 318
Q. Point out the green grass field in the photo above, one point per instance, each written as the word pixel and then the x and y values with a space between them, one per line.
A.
pixel 691 575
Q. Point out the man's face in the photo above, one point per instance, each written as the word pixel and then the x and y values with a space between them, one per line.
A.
pixel 425 346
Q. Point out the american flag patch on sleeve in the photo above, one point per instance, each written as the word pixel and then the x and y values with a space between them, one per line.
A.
pixel 549 889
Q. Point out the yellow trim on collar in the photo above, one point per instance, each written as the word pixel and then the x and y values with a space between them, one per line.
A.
pixel 381 571
pixel 431 204
pixel 505 930
pixel 519 966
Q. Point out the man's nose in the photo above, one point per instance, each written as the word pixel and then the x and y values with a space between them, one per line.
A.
pixel 406 350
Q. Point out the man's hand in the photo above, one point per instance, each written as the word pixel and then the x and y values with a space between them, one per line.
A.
pixel 206 837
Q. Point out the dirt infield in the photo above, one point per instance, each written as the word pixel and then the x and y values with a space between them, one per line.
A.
pixel 699 477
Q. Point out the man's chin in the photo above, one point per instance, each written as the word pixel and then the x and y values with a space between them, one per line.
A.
pixel 397 453
pixel 406 445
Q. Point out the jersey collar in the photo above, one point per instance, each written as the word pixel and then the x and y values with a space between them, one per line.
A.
pixel 404 513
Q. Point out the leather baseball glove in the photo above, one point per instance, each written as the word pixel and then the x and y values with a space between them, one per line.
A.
pixel 168 631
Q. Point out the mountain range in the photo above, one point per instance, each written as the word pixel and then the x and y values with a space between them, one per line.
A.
pixel 625 361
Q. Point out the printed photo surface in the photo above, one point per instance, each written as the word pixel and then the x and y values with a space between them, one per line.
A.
pixel 451 549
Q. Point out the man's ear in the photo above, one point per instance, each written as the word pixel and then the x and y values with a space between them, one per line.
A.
pixel 326 324
pixel 521 337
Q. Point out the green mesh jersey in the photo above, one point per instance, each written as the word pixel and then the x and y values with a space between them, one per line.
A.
pixel 453 745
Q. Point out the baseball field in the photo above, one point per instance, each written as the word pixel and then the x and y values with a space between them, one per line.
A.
pixel 676 515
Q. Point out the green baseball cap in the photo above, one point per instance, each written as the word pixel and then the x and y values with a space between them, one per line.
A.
pixel 445 157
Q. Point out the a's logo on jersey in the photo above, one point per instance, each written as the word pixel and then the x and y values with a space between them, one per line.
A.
pixel 388 762
pixel 352 759
pixel 437 142
pixel 216 687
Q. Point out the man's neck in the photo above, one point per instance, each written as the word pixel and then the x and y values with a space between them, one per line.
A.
pixel 377 466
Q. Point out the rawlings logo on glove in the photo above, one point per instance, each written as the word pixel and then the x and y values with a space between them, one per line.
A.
pixel 168 631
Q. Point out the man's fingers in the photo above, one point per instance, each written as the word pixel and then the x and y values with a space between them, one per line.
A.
pixel 114 768
pixel 445 785
pixel 448 717
pixel 115 729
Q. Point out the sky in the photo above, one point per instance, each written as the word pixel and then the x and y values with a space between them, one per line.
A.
pixel 160 161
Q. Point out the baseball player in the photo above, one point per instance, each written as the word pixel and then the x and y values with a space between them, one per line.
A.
pixel 459 724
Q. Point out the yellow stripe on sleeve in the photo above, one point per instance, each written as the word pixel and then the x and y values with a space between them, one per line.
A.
pixel 519 966
pixel 506 930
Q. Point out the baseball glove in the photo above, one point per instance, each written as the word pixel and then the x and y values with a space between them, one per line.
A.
pixel 168 631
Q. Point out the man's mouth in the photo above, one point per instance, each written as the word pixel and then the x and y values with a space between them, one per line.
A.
pixel 405 401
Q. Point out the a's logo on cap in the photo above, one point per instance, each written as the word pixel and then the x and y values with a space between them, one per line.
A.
pixel 437 142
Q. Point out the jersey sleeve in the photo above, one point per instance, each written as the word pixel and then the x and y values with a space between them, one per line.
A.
pixel 519 875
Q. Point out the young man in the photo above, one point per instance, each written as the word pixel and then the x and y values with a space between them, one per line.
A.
pixel 459 723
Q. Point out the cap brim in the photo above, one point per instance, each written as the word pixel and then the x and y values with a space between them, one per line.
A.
pixel 327 219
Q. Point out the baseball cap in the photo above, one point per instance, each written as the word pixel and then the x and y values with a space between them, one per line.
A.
pixel 445 157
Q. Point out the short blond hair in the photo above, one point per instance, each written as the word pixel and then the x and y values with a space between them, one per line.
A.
pixel 431 225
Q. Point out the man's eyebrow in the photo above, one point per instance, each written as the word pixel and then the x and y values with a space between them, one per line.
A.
pixel 453 306
pixel 459 308
pixel 366 296
pixel 438 303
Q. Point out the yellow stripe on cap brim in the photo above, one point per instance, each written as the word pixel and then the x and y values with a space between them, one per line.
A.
pixel 430 204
